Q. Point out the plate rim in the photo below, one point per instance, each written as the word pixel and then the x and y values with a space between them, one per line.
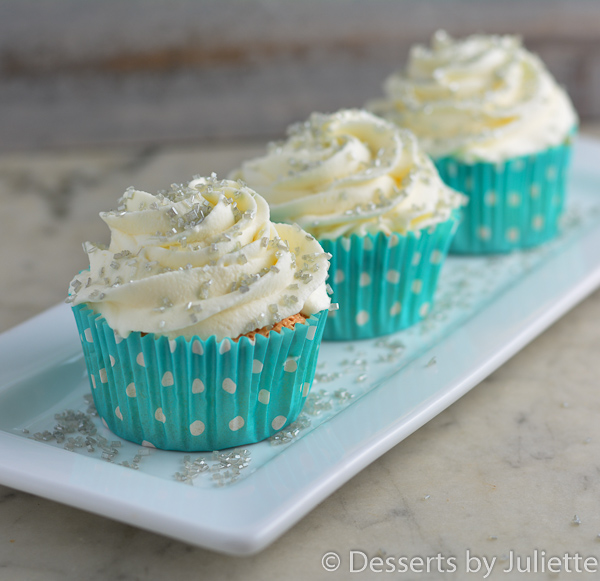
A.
pixel 254 532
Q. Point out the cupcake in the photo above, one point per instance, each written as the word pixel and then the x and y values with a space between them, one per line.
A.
pixel 201 322
pixel 375 202
pixel 499 129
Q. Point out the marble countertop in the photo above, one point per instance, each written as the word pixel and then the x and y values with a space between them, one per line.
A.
pixel 512 466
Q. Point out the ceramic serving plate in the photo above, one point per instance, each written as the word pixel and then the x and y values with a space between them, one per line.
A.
pixel 367 397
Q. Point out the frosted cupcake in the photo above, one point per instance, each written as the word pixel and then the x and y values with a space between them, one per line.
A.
pixel 201 322
pixel 499 129
pixel 374 201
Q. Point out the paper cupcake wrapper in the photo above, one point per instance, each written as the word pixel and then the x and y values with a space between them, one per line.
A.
pixel 384 283
pixel 198 395
pixel 512 205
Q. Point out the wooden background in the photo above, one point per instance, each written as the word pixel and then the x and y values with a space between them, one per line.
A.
pixel 101 72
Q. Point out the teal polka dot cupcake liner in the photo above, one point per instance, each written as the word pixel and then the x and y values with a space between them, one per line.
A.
pixel 512 205
pixel 384 283
pixel 198 395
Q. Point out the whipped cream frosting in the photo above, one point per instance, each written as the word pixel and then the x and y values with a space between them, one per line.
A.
pixel 347 173
pixel 202 259
pixel 484 97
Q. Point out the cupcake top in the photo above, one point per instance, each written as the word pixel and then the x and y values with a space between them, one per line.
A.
pixel 200 260
pixel 347 173
pixel 479 98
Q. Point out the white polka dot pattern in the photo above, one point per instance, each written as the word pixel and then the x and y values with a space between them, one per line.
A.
pixel 236 423
pixel 197 386
pixel 197 428
pixel 278 422
pixel 514 199
pixel 537 223
pixel 393 276
pixel 365 279
pixel 290 365
pixel 197 347
pixel 362 318
pixel 138 383
pixel 339 276
pixel 229 385
pixel 436 257
pixel 512 234
pixel 484 233
pixel 490 198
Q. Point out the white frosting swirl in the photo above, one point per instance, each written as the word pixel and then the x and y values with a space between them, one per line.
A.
pixel 479 98
pixel 350 173
pixel 202 259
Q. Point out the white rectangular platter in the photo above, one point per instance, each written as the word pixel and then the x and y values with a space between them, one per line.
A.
pixel 367 397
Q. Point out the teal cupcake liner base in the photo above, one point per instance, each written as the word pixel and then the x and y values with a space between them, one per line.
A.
pixel 512 205
pixel 198 395
pixel 384 283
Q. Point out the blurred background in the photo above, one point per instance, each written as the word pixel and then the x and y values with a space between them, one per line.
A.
pixel 85 73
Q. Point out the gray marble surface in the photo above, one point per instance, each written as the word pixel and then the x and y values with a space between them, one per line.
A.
pixel 506 468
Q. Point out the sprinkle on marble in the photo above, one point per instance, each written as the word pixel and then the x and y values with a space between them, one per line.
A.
pixel 576 521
